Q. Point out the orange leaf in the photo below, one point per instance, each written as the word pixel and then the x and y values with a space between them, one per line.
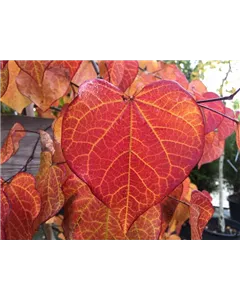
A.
pixel 48 114
pixel 46 142
pixel 55 84
pixel 213 148
pixel 49 181
pixel 186 185
pixel 150 65
pixel 238 135
pixel 4 212
pixel 85 72
pixel 144 146
pixel 11 144
pixel 138 84
pixel 24 207
pixel 182 212
pixel 162 70
pixel 85 217
pixel 172 237
pixel 172 72
pixel 169 206
pixel 121 73
pixel 34 68
pixel 57 124
pixel 197 88
pixel 61 236
pixel 201 211
pixel 147 226
pixel 227 126
pixel 4 76
pixel 12 97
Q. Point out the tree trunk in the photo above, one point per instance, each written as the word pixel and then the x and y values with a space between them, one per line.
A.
pixel 221 220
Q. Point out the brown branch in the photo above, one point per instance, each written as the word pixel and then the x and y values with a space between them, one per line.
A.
pixel 48 231
pixel 219 113
pixel 96 68
pixel 220 98
pixel 225 78
pixel 149 73
pixel 180 201
pixel 55 108
pixel 30 131
pixel 74 84
pixel 31 157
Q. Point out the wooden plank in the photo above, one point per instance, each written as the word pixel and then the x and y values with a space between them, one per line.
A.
pixel 16 162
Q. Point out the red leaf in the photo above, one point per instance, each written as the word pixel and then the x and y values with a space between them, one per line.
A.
pixel 71 65
pixel 212 119
pixel 55 84
pixel 12 97
pixel 34 68
pixel 201 211
pixel 227 126
pixel 3 63
pixel 213 148
pixel 24 207
pixel 85 217
pixel 11 144
pixel 49 182
pixel 121 73
pixel 4 76
pixel 147 226
pixel 148 144
pixel 206 193
pixel 4 212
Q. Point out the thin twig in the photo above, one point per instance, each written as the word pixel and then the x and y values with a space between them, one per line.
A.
pixel 30 131
pixel 31 157
pixel 96 68
pixel 220 98
pixel 225 78
pixel 149 73
pixel 74 84
pixel 181 201
pixel 55 108
pixel 219 113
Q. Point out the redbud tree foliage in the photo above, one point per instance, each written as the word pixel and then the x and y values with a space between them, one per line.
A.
pixel 125 136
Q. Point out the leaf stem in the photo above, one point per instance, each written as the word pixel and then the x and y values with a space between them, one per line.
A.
pixel 96 68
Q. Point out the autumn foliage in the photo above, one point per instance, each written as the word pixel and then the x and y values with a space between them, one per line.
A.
pixel 125 137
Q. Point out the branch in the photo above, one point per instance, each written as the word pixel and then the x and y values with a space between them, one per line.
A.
pixel 149 73
pixel 55 108
pixel 220 98
pixel 31 131
pixel 180 201
pixel 219 113
pixel 31 157
pixel 48 231
pixel 74 84
pixel 225 78
pixel 96 68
